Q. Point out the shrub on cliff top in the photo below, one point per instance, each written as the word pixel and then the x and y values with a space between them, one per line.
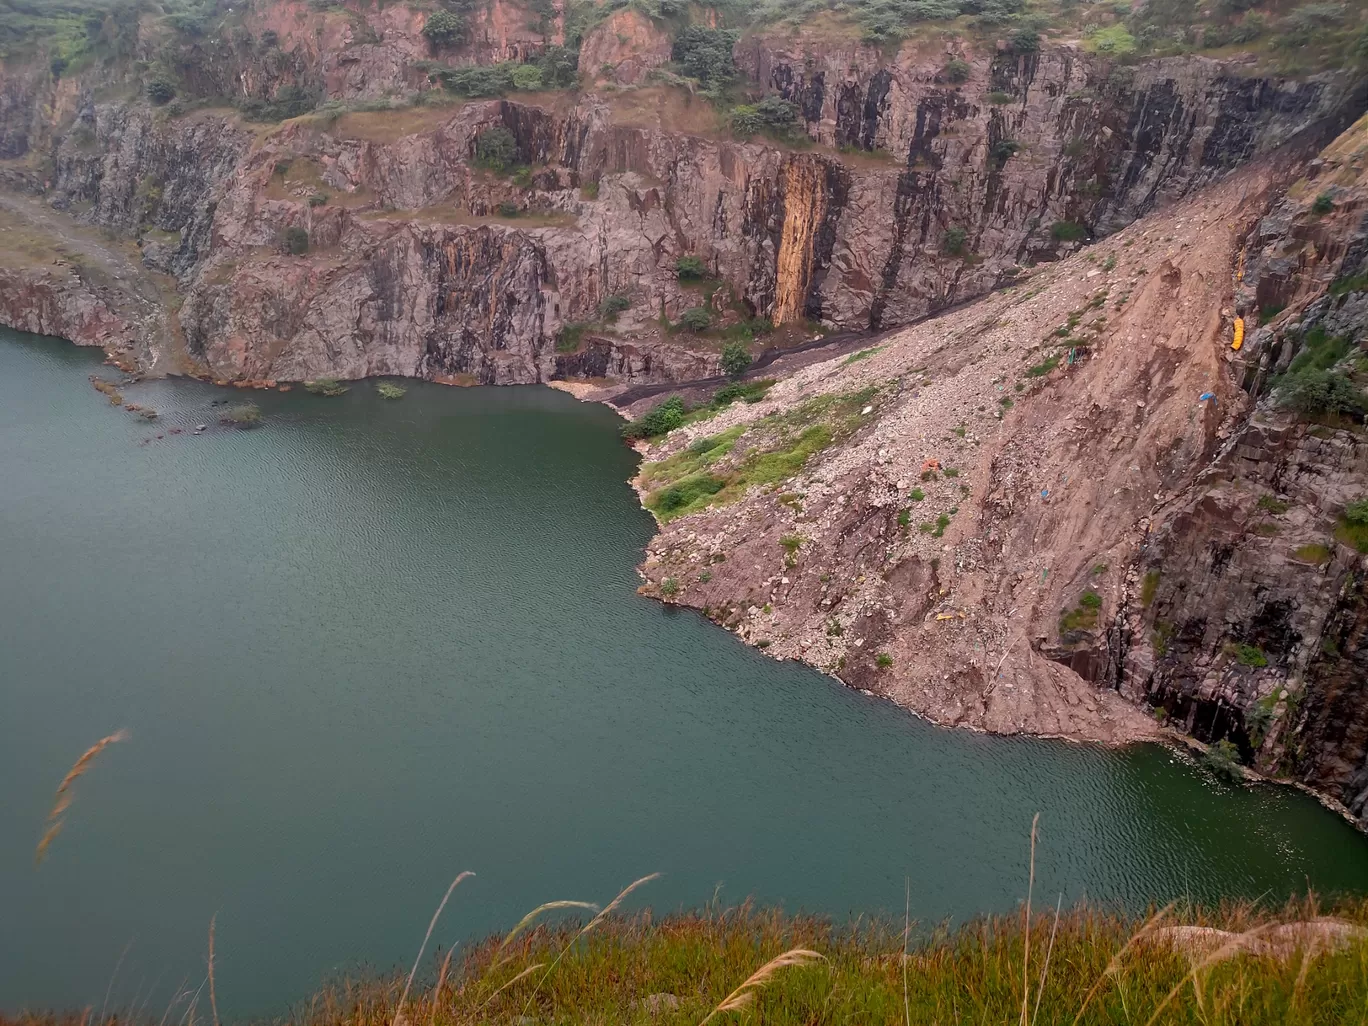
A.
pixel 690 268
pixel 695 319
pixel 957 71
pixel 771 115
pixel 443 28
pixel 706 54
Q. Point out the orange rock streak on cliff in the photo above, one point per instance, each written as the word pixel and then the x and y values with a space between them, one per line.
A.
pixel 805 207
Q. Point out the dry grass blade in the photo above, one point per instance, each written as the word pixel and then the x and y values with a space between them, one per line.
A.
pixel 522 975
pixel 399 1008
pixel 527 920
pixel 1233 947
pixel 745 994
pixel 213 998
pixel 441 982
pixel 1145 930
pixel 1026 958
pixel 607 911
pixel 907 929
pixel 64 796
pixel 612 905
pixel 1049 950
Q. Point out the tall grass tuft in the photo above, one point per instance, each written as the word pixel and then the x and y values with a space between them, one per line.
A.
pixel 56 818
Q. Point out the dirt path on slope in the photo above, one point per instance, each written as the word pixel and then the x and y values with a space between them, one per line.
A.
pixel 107 271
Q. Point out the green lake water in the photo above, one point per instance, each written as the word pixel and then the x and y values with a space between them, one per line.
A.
pixel 371 644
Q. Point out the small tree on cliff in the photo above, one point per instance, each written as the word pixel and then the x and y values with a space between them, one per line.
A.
pixel 161 90
pixel 296 241
pixel 443 28
pixel 736 359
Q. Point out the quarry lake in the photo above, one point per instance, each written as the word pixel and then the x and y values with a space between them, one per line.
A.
pixel 371 644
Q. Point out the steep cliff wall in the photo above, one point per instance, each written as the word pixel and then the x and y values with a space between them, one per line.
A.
pixel 1249 627
pixel 914 193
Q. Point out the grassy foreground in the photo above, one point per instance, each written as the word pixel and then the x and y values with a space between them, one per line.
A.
pixel 1296 965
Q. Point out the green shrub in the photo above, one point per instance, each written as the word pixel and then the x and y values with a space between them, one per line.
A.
pixel 1039 370
pixel 477 79
pixel 1026 41
pixel 326 386
pixel 1090 600
pixel 904 518
pixel 1352 529
pixel 614 305
pixel 954 240
pixel 1223 761
pixel 1315 393
pixel 999 98
pixel 690 268
pixel 706 54
pixel 1068 231
pixel 695 319
pixel 957 71
pixel 1323 204
pixel 658 421
pixel 771 115
pixel 296 241
pixel 568 339
pixel 916 495
pixel 161 91
pixel 389 390
pixel 318 199
pixel 1248 655
pixel 1270 504
pixel 736 359
pixel 496 149
pixel 883 660
pixel 1002 151
pixel 507 208
pixel 669 587
pixel 443 28
pixel 522 177
pixel 527 77
pixel 685 493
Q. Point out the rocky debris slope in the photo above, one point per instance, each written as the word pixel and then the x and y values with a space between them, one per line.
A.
pixel 976 523
pixel 1251 622
pixel 915 191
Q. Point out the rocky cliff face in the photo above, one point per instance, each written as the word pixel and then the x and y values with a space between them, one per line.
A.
pixel 1250 624
pixel 421 264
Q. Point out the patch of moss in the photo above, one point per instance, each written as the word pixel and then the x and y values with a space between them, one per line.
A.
pixel 1314 553
pixel 779 446
pixel 1148 586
